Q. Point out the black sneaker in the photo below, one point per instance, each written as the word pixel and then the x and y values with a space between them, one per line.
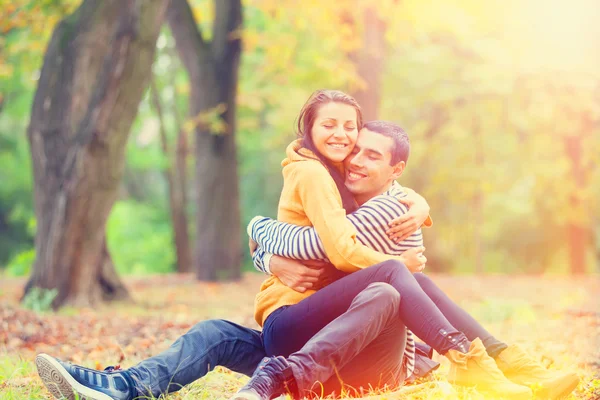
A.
pixel 273 377
pixel 64 380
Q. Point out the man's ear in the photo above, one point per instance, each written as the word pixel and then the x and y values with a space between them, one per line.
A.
pixel 398 170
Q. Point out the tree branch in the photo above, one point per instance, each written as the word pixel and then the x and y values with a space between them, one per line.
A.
pixel 226 27
pixel 188 37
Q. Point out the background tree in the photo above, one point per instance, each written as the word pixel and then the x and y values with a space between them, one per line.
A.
pixel 77 136
pixel 502 115
pixel 175 175
pixel 212 66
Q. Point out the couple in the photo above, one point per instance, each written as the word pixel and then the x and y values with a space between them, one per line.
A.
pixel 338 199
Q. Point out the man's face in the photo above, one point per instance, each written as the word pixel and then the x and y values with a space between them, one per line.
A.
pixel 368 169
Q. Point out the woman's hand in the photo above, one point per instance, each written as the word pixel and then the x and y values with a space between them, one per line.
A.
pixel 252 245
pixel 405 225
pixel 414 259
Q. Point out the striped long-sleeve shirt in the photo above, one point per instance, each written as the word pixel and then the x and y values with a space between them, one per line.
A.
pixel 302 242
pixel 371 221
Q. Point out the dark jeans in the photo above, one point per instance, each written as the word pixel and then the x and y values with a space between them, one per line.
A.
pixel 206 345
pixel 424 309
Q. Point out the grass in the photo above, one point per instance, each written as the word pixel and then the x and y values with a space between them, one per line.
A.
pixel 556 319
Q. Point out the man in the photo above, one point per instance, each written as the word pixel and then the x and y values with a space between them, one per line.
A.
pixel 214 342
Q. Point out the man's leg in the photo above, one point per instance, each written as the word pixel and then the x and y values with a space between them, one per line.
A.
pixel 458 317
pixel 377 365
pixel 370 324
pixel 362 346
pixel 193 355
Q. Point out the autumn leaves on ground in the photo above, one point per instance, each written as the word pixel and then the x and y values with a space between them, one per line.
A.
pixel 556 318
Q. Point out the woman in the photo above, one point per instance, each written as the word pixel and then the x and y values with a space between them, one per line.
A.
pixel 314 194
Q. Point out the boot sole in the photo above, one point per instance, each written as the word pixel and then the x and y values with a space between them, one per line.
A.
pixel 561 393
pixel 61 384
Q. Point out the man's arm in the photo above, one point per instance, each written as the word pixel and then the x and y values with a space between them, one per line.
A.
pixel 297 275
pixel 302 243
pixel 286 240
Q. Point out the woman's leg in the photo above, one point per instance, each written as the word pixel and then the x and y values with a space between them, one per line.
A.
pixel 458 317
pixel 288 329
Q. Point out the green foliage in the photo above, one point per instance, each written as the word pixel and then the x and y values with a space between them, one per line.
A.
pixel 140 238
pixel 39 300
pixel 17 220
pixel 489 110
pixel 21 263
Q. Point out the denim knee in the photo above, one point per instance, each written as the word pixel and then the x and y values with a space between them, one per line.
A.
pixel 392 264
pixel 207 330
pixel 393 270
pixel 385 293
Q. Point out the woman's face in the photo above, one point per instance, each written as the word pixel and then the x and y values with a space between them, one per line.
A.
pixel 335 130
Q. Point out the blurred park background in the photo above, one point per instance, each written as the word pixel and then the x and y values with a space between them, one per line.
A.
pixel 501 101
pixel 138 137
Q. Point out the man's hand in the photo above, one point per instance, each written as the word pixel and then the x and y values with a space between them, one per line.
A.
pixel 405 225
pixel 298 275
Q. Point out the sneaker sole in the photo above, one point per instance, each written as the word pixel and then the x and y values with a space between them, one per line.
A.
pixel 61 384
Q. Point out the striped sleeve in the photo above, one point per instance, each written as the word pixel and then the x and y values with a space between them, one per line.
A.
pixel 286 240
pixel 371 221
pixel 260 260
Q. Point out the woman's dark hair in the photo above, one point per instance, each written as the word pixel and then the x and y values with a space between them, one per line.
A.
pixel 306 120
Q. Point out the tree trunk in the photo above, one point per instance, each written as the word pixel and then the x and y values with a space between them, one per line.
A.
pixel 578 231
pixel 95 70
pixel 213 71
pixel 478 200
pixel 369 64
pixel 177 203
pixel 182 232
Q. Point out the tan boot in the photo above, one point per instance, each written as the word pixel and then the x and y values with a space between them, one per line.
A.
pixel 521 368
pixel 477 368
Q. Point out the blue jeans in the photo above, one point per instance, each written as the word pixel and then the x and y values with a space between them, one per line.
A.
pixel 211 343
pixel 206 345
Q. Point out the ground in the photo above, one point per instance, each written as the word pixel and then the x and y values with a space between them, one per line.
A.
pixel 555 318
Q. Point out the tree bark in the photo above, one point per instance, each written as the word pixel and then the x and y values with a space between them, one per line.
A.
pixel 213 71
pixel 369 64
pixel 177 199
pixel 95 71
pixel 478 200
pixel 578 231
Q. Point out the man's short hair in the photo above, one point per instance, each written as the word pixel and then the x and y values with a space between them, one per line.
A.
pixel 401 147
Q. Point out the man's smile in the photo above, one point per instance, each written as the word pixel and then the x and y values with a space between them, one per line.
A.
pixel 353 176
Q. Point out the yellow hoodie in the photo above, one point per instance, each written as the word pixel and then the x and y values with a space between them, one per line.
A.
pixel 310 197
